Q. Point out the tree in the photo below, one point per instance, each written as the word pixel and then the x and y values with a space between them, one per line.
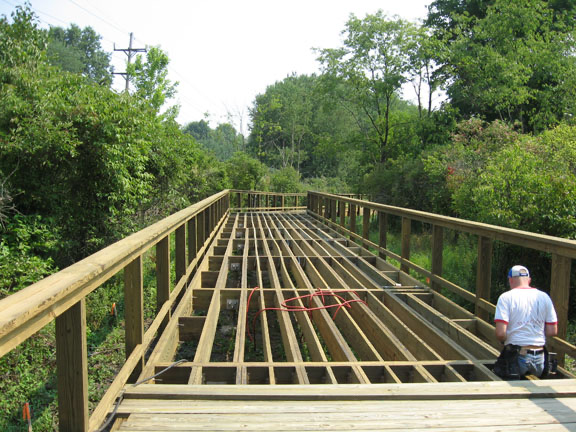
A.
pixel 79 51
pixel 150 79
pixel 374 61
pixel 282 120
pixel 285 180
pixel 199 129
pixel 514 61
pixel 244 172
pixel 223 141
pixel 425 70
pixel 527 183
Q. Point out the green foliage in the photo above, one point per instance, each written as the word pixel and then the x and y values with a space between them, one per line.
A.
pixel 374 61
pixel 326 184
pixel 282 120
pixel 79 51
pixel 28 375
pixel 150 79
pixel 245 172
pixel 529 184
pixel 25 245
pixel 21 42
pixel 223 141
pixel 513 61
pixel 285 180
pixel 112 161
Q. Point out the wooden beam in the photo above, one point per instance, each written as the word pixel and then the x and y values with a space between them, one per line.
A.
pixel 560 290
pixel 72 369
pixel 382 232
pixel 134 309
pixel 483 275
pixel 437 254
pixel 365 224
pixel 180 252
pixel 405 242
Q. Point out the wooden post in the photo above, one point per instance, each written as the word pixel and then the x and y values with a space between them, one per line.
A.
pixel 560 290
pixel 366 225
pixel 72 368
pixel 134 310
pixel 483 275
pixel 162 272
pixel 200 238
pixel 283 201
pixel 192 244
pixel 180 251
pixel 333 210
pixel 239 197
pixel 382 233
pixel 342 211
pixel 437 254
pixel 353 219
pixel 405 242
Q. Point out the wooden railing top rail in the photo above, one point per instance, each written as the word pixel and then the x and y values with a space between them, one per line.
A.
pixel 546 243
pixel 24 313
pixel 287 194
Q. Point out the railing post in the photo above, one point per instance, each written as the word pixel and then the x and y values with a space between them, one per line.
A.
pixel 200 239
pixel 180 251
pixel 134 310
pixel 192 244
pixel 560 290
pixel 163 274
pixel 405 242
pixel 353 220
pixel 239 199
pixel 483 275
pixel 365 225
pixel 333 210
pixel 342 211
pixel 382 232
pixel 72 368
pixel 437 254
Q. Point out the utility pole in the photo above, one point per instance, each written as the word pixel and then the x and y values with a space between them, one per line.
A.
pixel 128 51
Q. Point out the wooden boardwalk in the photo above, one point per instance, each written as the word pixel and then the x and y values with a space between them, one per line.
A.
pixel 289 326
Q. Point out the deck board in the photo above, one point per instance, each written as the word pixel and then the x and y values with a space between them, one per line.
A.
pixel 450 407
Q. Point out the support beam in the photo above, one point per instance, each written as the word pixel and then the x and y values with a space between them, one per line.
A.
pixel 72 368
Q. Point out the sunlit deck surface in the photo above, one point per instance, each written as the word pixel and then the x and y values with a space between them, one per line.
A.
pixel 288 325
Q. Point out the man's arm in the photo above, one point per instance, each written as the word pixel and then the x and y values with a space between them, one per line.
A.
pixel 551 329
pixel 501 328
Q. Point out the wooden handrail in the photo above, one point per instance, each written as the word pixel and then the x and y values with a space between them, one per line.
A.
pixel 323 206
pixel 61 297
pixel 27 311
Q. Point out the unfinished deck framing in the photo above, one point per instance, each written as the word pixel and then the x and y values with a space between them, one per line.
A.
pixel 277 312
pixel 244 355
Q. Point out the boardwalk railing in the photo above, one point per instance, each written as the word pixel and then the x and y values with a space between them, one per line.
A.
pixel 62 296
pixel 267 201
pixel 340 212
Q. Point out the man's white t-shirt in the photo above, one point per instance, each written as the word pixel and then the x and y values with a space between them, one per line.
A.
pixel 526 310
